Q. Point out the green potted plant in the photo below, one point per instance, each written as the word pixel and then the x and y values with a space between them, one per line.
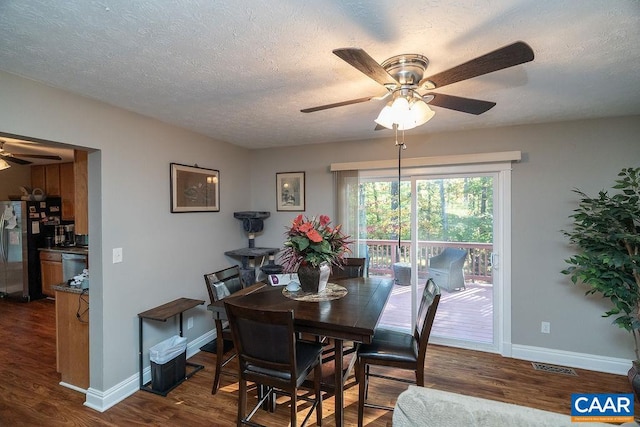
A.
pixel 607 232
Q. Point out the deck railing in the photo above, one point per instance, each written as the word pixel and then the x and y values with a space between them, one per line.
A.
pixel 382 256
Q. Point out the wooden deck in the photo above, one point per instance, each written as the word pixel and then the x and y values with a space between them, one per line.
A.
pixel 462 315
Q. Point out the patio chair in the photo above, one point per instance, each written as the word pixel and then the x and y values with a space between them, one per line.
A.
pixel 446 269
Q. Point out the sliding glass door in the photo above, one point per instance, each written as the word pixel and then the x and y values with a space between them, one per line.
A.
pixel 454 228
pixel 402 226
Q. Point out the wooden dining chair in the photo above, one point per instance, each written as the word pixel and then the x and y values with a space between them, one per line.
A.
pixel 397 349
pixel 221 284
pixel 270 355
pixel 351 267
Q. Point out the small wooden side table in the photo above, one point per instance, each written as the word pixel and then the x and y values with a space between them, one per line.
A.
pixel 161 313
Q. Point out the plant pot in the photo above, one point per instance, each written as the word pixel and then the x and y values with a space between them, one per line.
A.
pixel 634 379
pixel 314 279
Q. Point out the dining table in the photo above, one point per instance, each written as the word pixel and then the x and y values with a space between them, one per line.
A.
pixel 351 317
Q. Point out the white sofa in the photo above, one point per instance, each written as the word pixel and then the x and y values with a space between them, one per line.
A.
pixel 426 407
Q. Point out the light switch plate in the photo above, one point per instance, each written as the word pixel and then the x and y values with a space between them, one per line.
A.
pixel 117 255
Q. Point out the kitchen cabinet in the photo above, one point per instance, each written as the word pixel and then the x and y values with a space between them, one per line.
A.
pixel 50 271
pixel 80 168
pixel 57 180
pixel 72 336
pixel 67 191
pixel 52 180
pixel 38 178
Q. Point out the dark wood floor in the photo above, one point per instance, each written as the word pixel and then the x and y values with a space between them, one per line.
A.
pixel 31 396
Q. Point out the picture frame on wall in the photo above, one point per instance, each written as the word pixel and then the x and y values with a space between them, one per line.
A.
pixel 194 189
pixel 290 191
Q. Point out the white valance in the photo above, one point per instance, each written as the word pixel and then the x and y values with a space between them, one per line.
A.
pixel 413 162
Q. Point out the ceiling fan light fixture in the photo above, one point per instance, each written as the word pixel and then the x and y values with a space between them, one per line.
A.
pixel 421 112
pixel 395 112
pixel 403 114
pixel 386 117
pixel 4 165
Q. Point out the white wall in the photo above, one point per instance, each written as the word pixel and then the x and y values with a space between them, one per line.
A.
pixel 165 254
pixel 557 157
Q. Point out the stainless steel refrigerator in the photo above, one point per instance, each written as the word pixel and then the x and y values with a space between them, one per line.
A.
pixel 23 228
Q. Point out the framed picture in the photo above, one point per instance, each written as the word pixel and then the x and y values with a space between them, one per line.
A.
pixel 290 191
pixel 194 189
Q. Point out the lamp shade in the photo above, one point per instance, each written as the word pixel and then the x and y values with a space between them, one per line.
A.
pixel 421 112
pixel 404 115
pixel 385 118
pixel 4 165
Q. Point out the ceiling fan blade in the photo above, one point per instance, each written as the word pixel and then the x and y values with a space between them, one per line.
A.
pixel 337 104
pixel 38 156
pixel 505 57
pixel 458 103
pixel 14 160
pixel 361 60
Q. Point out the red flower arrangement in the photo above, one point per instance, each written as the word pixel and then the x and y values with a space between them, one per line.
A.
pixel 312 241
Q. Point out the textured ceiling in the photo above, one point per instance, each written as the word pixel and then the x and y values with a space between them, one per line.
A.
pixel 240 71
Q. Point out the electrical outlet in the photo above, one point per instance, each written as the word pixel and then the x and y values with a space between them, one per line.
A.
pixel 190 323
pixel 545 327
pixel 117 255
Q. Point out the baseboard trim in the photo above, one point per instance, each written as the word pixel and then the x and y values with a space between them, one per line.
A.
pixel 73 387
pixel 103 400
pixel 609 365
pixel 193 347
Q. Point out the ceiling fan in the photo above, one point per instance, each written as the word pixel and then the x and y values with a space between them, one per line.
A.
pixel 403 78
pixel 15 157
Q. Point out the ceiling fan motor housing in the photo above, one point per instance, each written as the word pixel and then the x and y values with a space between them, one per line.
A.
pixel 407 69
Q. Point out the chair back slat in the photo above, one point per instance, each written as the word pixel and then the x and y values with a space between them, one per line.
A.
pixel 221 284
pixel 265 339
pixel 426 315
pixel 351 267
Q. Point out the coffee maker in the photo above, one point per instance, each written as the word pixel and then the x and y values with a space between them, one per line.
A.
pixel 65 235
pixel 59 236
pixel 69 235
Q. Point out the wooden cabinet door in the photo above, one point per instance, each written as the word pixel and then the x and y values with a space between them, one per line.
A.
pixel 52 173
pixel 72 338
pixel 38 178
pixel 67 190
pixel 51 275
pixel 80 165
pixel 50 271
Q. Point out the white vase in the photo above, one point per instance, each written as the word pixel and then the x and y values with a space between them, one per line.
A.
pixel 325 271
